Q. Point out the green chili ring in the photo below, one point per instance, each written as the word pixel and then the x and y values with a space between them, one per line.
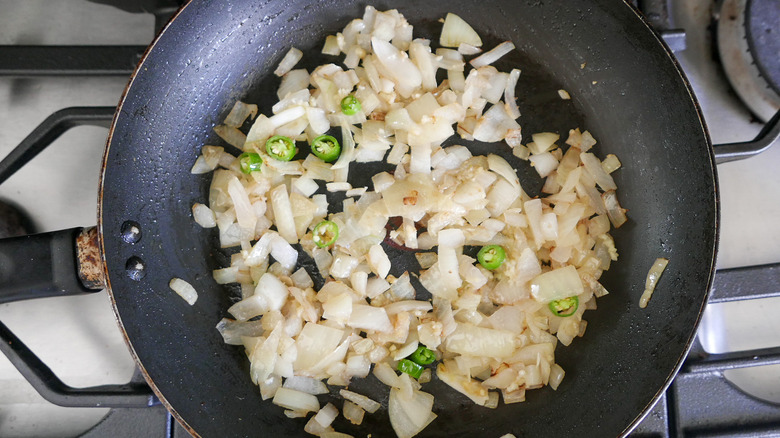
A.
pixel 422 356
pixel 281 148
pixel 491 256
pixel 413 369
pixel 565 306
pixel 326 148
pixel 250 162
pixel 350 105
pixel 325 234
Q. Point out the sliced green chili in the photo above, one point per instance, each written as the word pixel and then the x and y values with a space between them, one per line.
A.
pixel 281 148
pixel 326 148
pixel 413 369
pixel 491 256
pixel 325 234
pixel 250 162
pixel 350 105
pixel 565 306
pixel 422 356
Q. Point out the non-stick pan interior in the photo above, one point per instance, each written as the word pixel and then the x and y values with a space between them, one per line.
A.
pixel 625 89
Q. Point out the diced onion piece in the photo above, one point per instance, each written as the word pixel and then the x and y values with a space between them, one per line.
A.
pixel 556 284
pixel 501 167
pixel 544 163
pixel 480 341
pixel 594 168
pixel 509 95
pixel 296 400
pixel 587 141
pixel 468 49
pixel 493 55
pixel 364 402
pixel 184 289
pixel 610 163
pixel 272 290
pixel 556 376
pixel 305 384
pixel 652 280
pixel 203 216
pixel 378 261
pixel 387 375
pixel 331 46
pixel 412 306
pixel 564 94
pixel 239 113
pixel 398 65
pixel 283 214
pixel 353 412
pixel 314 343
pixel 456 32
pixel 616 213
pixel 409 416
pixel 338 186
pixel 463 384
pixel 543 142
pixel 288 62
pixel 231 135
pixel 326 415
pixel 369 318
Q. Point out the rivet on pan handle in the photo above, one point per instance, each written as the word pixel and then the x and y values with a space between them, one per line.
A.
pixel 738 151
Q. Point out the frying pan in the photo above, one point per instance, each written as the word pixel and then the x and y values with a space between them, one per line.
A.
pixel 626 89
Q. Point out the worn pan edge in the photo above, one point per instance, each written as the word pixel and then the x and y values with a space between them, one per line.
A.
pixel 101 237
pixel 711 154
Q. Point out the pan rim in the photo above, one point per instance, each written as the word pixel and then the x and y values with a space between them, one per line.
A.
pixel 101 231
pixel 716 193
pixel 679 362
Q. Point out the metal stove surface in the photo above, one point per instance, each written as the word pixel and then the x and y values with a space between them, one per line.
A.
pixel 78 337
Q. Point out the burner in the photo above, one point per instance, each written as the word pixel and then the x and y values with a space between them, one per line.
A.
pixel 749 44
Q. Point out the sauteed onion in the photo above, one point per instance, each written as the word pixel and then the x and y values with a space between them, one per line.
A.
pixel 492 325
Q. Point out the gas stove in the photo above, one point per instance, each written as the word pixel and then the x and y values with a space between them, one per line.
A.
pixel 55 55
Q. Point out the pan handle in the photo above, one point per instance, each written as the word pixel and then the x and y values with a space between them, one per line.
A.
pixel 768 136
pixel 51 264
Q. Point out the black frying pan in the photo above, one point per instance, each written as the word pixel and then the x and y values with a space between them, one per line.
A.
pixel 631 95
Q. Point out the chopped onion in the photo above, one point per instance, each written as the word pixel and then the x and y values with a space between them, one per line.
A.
pixel 184 290
pixel 593 167
pixel 652 280
pixel 493 55
pixel 556 376
pixel 409 416
pixel 353 412
pixel 283 215
pixel 456 32
pixel 617 214
pixel 480 341
pixel 239 113
pixel 296 400
pixel 491 330
pixel 204 216
pixel 403 71
pixel 543 142
pixel 231 135
pixel 326 415
pixel 305 384
pixel 288 62
pixel 468 49
pixel 369 318
pixel 364 402
pixel 556 284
